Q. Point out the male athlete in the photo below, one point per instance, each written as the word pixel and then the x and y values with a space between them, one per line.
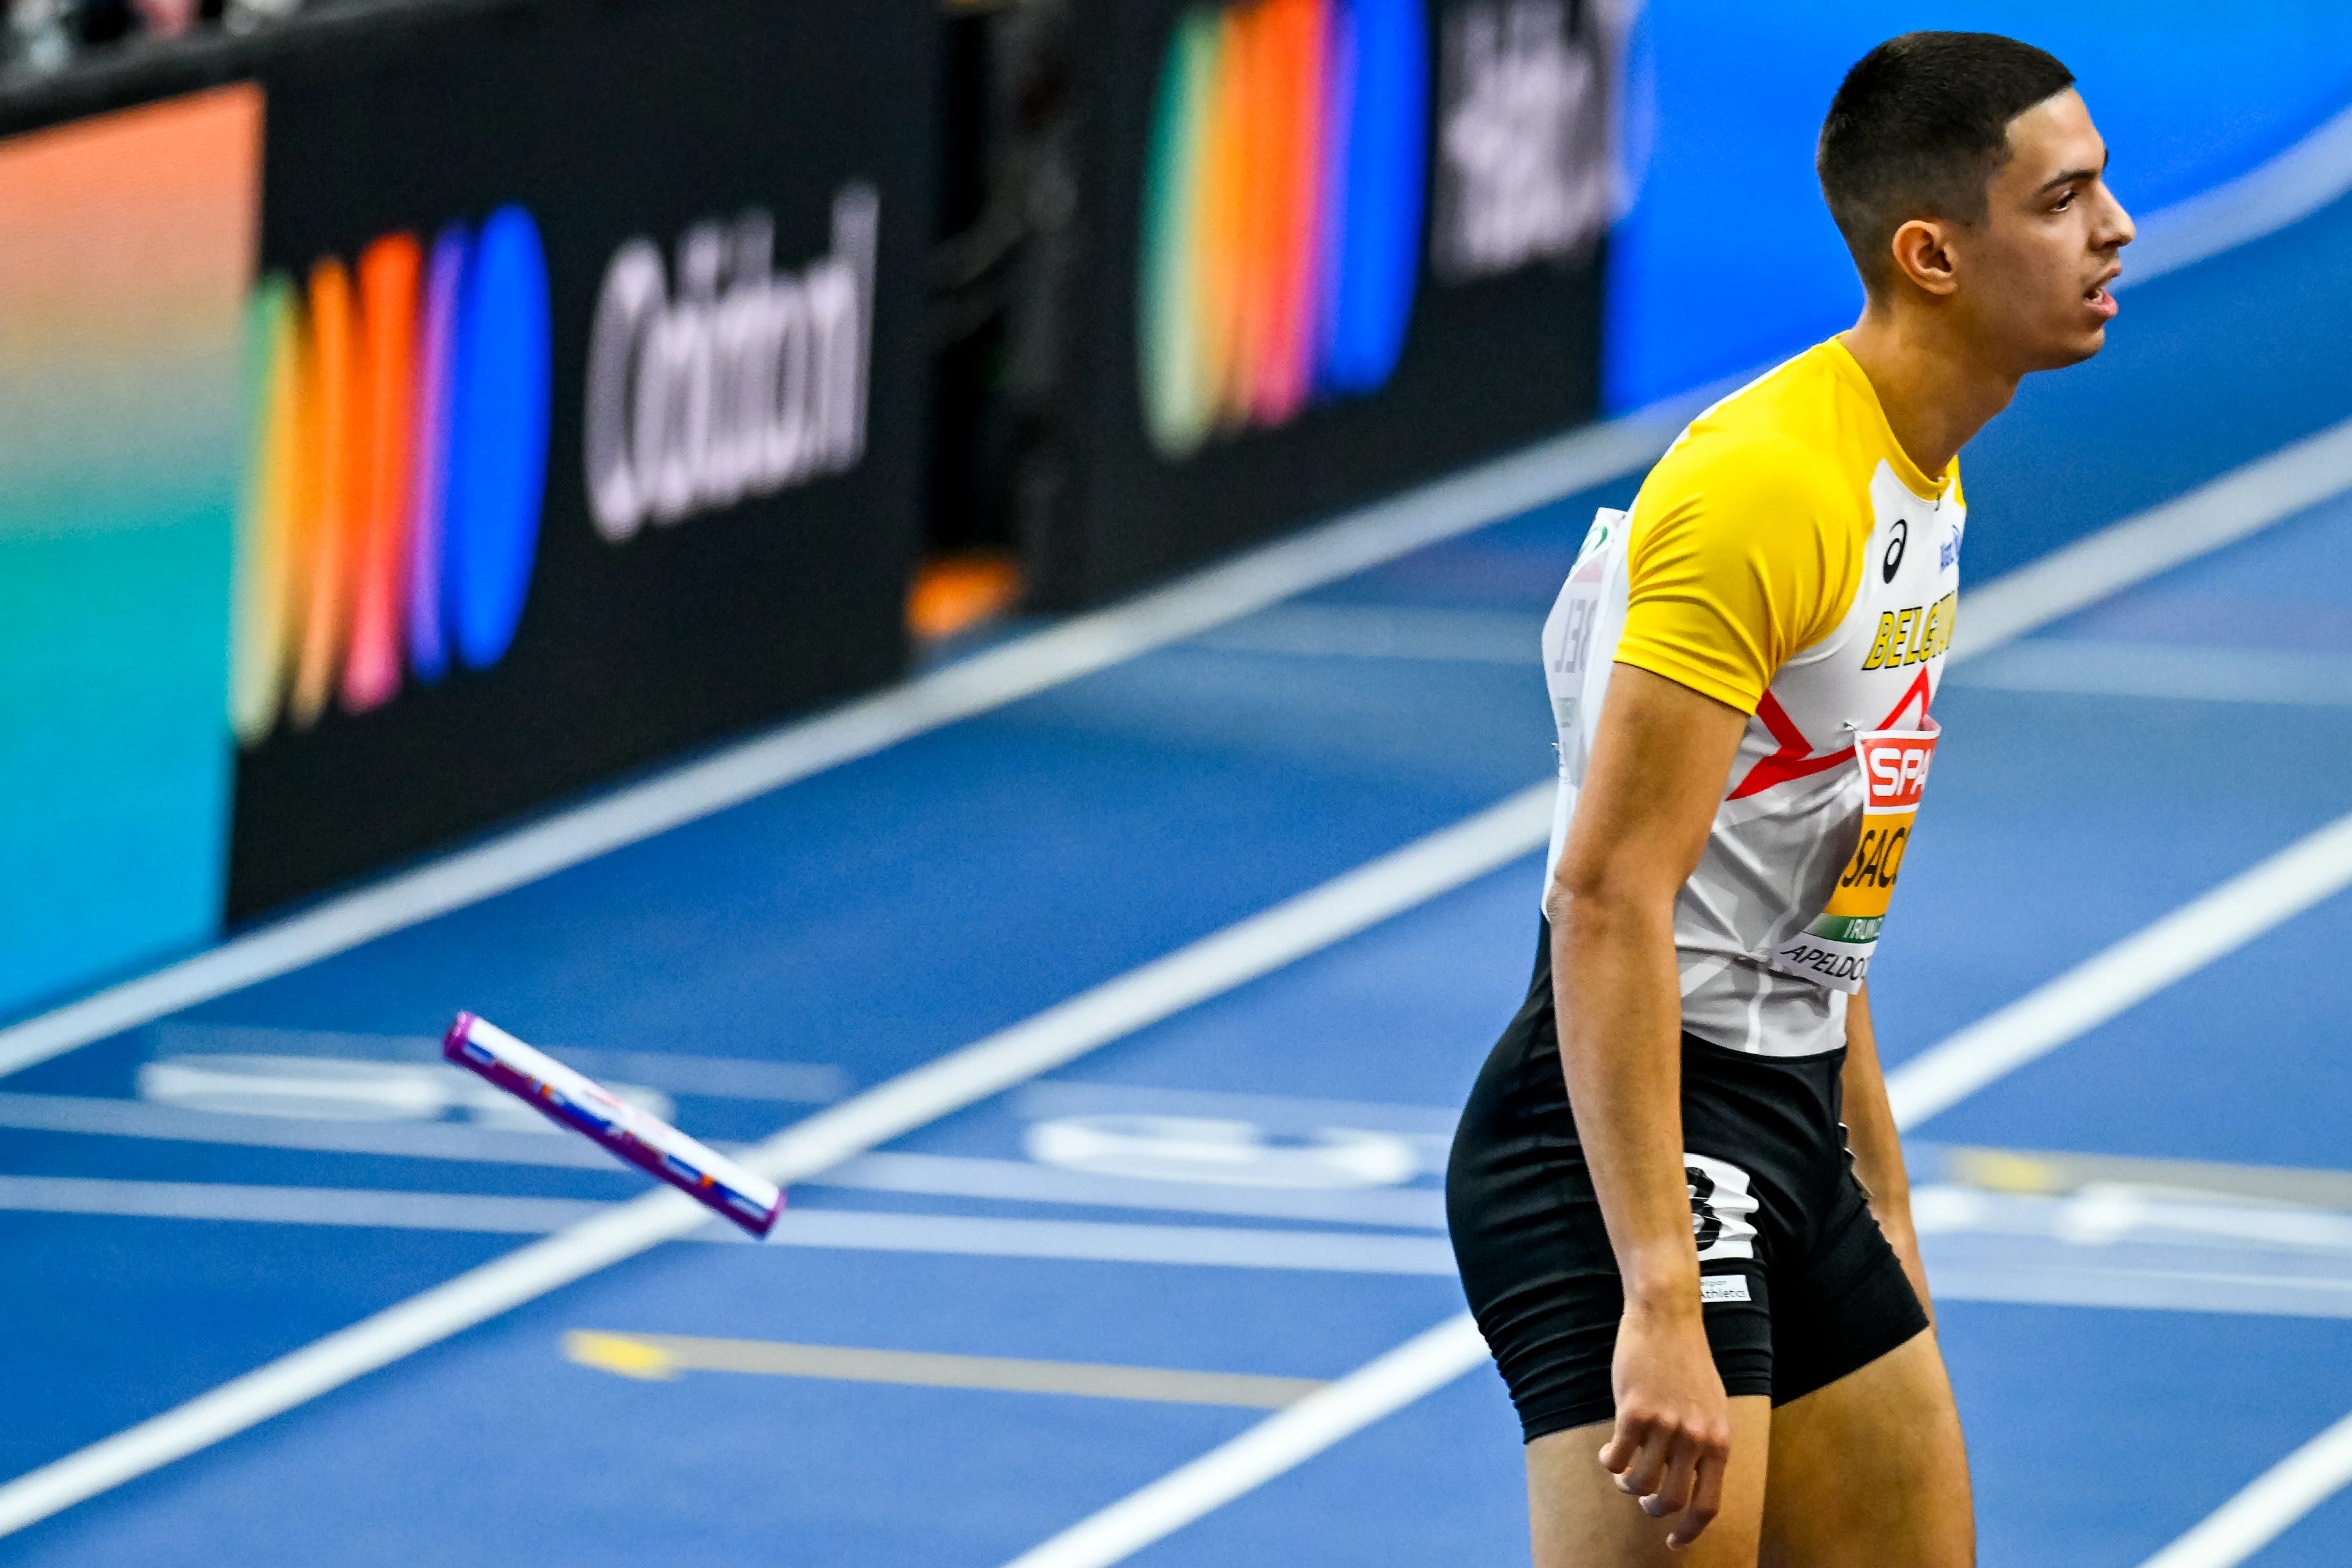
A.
pixel 1704 1292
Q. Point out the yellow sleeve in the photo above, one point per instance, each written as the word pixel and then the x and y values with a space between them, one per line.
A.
pixel 1743 552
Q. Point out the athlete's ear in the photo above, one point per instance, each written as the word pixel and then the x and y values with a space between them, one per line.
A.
pixel 1923 254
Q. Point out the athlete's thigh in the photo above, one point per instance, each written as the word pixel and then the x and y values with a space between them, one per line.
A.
pixel 1579 1519
pixel 1871 1470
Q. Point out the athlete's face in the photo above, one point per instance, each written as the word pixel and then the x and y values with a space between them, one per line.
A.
pixel 2036 275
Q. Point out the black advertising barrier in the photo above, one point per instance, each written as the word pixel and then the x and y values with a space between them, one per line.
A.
pixel 733 198
pixel 586 366
pixel 1334 247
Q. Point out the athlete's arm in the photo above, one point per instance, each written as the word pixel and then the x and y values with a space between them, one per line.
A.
pixel 1878 1147
pixel 1661 759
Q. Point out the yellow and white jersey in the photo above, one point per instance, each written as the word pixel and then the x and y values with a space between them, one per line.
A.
pixel 1787 557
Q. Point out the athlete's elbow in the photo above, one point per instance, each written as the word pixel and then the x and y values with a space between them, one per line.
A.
pixel 1596 900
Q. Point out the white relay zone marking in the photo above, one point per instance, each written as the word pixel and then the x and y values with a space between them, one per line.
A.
pixel 313 1088
pixel 1721 1204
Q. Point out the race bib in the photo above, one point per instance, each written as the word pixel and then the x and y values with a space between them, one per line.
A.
pixel 1835 949
pixel 1580 644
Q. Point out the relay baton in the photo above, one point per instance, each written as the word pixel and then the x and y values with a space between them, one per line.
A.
pixel 572 1100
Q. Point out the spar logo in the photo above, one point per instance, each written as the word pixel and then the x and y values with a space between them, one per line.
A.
pixel 1282 211
pixel 397 415
pixel 738 381
pixel 1895 770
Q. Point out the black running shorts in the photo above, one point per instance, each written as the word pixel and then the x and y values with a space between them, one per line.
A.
pixel 1797 1286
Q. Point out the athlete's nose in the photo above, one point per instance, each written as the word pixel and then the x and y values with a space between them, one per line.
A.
pixel 2120 229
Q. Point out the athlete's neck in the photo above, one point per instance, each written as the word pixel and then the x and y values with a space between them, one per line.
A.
pixel 1936 394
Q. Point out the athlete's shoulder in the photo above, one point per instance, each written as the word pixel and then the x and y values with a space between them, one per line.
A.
pixel 1788 436
pixel 1755 474
pixel 1747 537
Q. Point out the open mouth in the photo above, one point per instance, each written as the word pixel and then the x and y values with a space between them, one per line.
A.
pixel 2097 298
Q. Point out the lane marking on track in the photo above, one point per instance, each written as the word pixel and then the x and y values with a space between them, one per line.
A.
pixel 939 1176
pixel 2269 1506
pixel 2168 671
pixel 2085 996
pixel 2288 188
pixel 1368 537
pixel 2239 504
pixel 2022 1264
pixel 1421 1365
pixel 848 1230
pixel 384 1209
pixel 2143 1289
pixel 2186 941
pixel 657 1357
pixel 1243 952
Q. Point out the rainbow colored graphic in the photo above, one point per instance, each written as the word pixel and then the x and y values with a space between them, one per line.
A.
pixel 1282 211
pixel 126 253
pixel 397 420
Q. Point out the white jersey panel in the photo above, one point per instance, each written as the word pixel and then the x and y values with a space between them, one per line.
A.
pixel 1793 814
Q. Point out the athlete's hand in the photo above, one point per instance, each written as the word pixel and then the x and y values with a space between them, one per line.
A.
pixel 1673 1437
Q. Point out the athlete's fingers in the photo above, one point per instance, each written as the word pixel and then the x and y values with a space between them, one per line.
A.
pixel 1616 1454
pixel 1706 1500
pixel 1673 1492
pixel 1640 1477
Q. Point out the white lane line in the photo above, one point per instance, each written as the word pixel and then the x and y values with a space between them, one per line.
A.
pixel 2147 1289
pixel 2269 1507
pixel 846 1230
pixel 2288 188
pixel 1081 646
pixel 2187 940
pixel 1196 1246
pixel 1021 1180
pixel 1421 1365
pixel 1243 952
pixel 2010 1270
pixel 390 1210
pixel 937 1175
pixel 1383 631
pixel 2166 672
pixel 1274 1112
pixel 2240 502
pixel 720 1078
pixel 101 1117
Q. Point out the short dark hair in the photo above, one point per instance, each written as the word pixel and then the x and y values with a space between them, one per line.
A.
pixel 1919 127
